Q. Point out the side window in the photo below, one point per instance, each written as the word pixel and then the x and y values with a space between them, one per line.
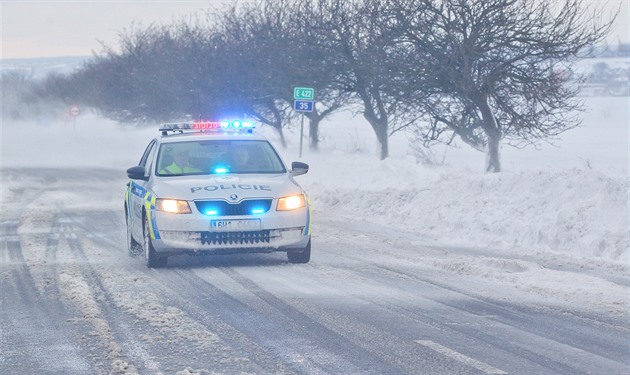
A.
pixel 147 158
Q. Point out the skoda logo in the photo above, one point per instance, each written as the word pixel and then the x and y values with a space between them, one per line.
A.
pixel 233 197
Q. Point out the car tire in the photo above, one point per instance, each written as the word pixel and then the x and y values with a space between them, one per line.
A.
pixel 134 248
pixel 300 256
pixel 153 260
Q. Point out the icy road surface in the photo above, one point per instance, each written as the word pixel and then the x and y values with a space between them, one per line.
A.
pixel 373 300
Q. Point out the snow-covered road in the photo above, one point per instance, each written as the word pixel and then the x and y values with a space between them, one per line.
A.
pixel 375 299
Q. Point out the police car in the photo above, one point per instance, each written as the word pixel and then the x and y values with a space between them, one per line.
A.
pixel 215 187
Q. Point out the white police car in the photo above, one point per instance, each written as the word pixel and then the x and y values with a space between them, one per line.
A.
pixel 215 187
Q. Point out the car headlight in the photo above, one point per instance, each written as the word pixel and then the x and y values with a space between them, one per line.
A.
pixel 173 206
pixel 291 202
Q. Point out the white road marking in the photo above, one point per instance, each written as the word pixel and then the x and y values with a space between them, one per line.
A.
pixel 460 357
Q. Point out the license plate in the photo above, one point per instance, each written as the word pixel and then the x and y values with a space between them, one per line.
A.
pixel 234 225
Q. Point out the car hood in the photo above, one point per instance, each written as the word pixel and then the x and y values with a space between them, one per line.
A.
pixel 224 187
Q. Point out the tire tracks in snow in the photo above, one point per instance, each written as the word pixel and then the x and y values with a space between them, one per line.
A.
pixel 269 322
pixel 159 334
pixel 553 333
pixel 35 335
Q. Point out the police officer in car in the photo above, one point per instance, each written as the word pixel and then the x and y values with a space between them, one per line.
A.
pixel 180 165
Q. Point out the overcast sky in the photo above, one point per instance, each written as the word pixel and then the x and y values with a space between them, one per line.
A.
pixel 48 28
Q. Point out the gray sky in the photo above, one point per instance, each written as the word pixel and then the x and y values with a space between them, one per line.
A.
pixel 48 28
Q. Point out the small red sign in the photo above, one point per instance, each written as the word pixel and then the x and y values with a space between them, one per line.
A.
pixel 74 110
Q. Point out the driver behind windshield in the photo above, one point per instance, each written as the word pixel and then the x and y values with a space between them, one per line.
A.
pixel 180 165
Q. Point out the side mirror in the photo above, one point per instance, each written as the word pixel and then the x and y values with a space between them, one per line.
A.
pixel 137 173
pixel 298 168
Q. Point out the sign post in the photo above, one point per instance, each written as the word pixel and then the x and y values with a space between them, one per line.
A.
pixel 303 103
pixel 74 111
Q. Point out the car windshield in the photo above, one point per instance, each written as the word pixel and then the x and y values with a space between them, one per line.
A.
pixel 217 157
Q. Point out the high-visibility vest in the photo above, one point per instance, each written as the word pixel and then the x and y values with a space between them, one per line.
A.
pixel 176 169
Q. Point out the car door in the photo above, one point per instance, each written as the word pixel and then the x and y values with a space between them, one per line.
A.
pixel 138 190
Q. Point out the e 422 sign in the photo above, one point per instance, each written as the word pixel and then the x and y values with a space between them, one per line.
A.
pixel 303 93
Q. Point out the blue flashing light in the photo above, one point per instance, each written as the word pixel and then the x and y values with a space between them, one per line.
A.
pixel 225 124
pixel 212 212
pixel 221 170
pixel 258 211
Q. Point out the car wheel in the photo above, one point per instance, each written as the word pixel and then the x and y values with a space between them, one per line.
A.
pixel 153 260
pixel 300 256
pixel 133 247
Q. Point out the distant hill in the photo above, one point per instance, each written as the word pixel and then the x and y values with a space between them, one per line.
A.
pixel 38 68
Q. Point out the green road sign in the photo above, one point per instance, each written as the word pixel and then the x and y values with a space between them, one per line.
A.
pixel 305 93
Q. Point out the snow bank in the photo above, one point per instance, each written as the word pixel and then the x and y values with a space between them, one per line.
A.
pixel 580 212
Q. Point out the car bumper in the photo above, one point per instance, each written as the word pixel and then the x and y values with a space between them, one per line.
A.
pixel 277 231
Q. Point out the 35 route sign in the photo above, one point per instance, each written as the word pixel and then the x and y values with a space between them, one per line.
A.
pixel 303 93
pixel 303 105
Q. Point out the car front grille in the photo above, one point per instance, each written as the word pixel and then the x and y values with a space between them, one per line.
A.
pixel 235 238
pixel 223 208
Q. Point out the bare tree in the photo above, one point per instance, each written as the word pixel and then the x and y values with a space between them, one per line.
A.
pixel 252 35
pixel 312 67
pixel 497 63
pixel 356 38
pixel 21 97
pixel 484 70
pixel 267 44
pixel 149 77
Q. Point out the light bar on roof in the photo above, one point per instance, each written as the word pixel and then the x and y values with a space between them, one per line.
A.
pixel 214 126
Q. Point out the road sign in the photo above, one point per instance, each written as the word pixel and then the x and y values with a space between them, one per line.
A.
pixel 303 105
pixel 74 110
pixel 305 93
